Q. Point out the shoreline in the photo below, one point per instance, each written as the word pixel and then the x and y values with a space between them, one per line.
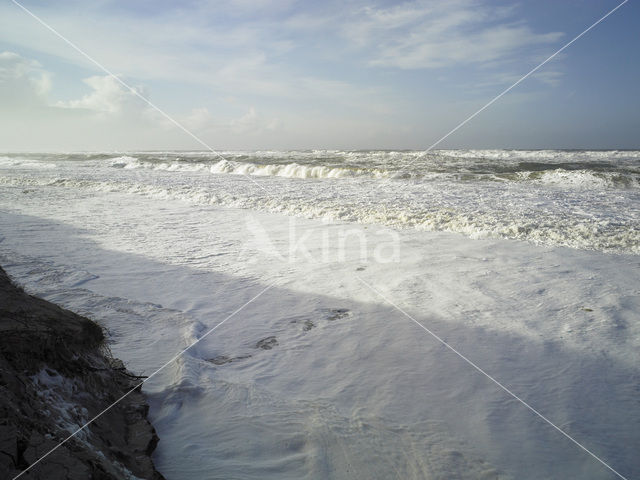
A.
pixel 55 375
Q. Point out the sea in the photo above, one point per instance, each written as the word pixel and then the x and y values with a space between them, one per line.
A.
pixel 353 314
pixel 574 198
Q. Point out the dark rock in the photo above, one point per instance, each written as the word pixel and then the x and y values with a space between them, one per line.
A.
pixel 55 375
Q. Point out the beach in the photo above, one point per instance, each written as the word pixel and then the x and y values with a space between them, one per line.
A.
pixel 331 296
pixel 56 375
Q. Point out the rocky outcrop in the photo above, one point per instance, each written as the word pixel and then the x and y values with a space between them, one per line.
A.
pixel 55 375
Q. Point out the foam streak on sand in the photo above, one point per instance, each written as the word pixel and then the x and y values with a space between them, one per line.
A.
pixel 481 371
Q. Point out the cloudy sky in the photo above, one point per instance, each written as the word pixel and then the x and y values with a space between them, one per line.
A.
pixel 264 74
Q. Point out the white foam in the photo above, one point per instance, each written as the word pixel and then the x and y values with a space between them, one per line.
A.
pixel 292 170
pixel 612 169
pixel 58 391
pixel 289 170
pixel 434 210
pixel 124 161
pixel 369 395
pixel 576 178
pixel 19 162
pixel 158 257
pixel 562 155
pixel 539 196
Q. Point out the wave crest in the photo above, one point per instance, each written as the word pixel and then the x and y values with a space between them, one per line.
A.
pixel 224 166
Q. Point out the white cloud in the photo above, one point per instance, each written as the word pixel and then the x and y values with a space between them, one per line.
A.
pixel 302 66
pixel 23 81
pixel 252 123
pixel 189 46
pixel 26 85
pixel 233 50
pixel 110 96
pixel 550 77
pixel 432 35
pixel 247 122
pixel 110 116
pixel 198 119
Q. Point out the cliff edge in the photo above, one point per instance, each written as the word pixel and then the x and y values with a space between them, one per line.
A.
pixel 55 375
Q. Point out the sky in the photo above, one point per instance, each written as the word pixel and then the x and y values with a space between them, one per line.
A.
pixel 287 74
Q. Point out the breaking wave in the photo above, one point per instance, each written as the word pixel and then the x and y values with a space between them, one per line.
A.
pixel 289 170
pixel 587 170
pixel 19 162
pixel 578 199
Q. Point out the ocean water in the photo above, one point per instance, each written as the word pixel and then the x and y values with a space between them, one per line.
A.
pixel 579 199
pixel 526 262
